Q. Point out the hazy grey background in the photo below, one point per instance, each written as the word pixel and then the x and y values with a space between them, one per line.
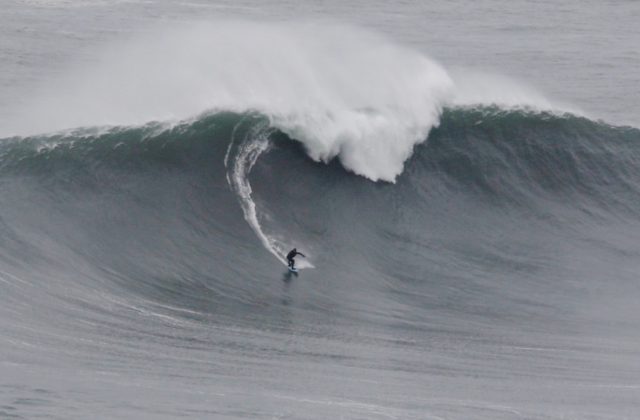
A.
pixel 581 52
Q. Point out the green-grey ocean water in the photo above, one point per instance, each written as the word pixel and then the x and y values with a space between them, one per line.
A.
pixel 462 176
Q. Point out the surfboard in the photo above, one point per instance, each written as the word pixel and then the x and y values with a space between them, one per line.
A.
pixel 293 270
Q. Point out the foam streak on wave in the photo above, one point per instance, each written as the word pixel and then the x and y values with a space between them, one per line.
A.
pixel 247 153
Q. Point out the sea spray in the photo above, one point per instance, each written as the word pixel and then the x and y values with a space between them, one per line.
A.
pixel 342 91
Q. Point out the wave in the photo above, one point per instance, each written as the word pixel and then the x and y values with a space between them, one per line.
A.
pixel 554 167
pixel 193 208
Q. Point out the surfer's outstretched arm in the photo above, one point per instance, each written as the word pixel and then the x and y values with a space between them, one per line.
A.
pixel 300 253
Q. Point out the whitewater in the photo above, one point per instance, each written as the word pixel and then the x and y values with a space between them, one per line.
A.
pixel 342 91
pixel 466 192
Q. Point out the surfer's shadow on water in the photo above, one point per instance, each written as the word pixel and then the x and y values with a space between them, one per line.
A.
pixel 288 276
pixel 287 279
pixel 285 298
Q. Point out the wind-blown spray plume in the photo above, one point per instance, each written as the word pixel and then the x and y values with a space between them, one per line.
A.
pixel 341 91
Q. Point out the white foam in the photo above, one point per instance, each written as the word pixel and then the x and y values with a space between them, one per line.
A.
pixel 342 91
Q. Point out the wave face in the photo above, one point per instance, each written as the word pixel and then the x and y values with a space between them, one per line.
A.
pixel 508 231
pixel 216 187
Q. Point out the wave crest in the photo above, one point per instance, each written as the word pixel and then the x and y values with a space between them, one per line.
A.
pixel 341 91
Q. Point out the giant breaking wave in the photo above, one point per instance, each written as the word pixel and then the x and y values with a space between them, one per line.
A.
pixel 224 95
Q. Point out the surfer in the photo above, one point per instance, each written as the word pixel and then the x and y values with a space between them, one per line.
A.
pixel 291 255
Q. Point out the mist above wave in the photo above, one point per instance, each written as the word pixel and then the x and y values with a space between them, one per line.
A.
pixel 342 91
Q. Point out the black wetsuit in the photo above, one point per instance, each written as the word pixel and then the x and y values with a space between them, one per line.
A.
pixel 291 255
